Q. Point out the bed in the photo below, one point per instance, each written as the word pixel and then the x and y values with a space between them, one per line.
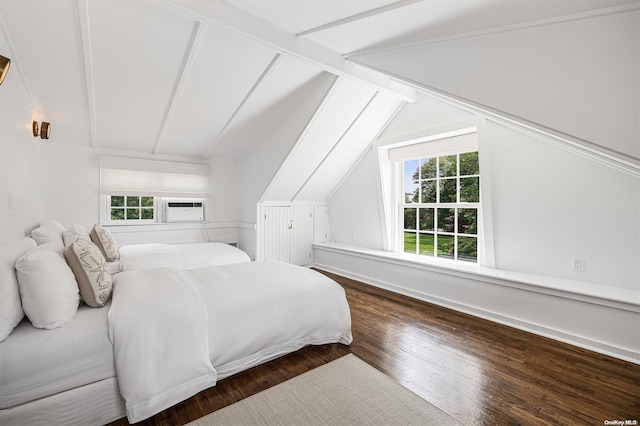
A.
pixel 232 317
pixel 180 256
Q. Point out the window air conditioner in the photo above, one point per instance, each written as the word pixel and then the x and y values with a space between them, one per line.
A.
pixel 182 211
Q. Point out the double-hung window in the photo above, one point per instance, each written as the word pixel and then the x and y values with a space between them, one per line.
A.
pixel 439 203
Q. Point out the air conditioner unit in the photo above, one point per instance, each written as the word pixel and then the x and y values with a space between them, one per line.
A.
pixel 184 211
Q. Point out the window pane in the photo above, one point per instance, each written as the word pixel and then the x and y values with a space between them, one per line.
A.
pixel 470 190
pixel 426 219
pixel 411 180
pixel 429 168
pixel 448 165
pixel 445 246
pixel 147 213
pixel 117 201
pixel 468 221
pixel 133 201
pixel 426 244
pixel 147 201
pixel 117 214
pixel 446 220
pixel 428 191
pixel 468 249
pixel 133 214
pixel 410 242
pixel 469 164
pixel 448 191
pixel 410 218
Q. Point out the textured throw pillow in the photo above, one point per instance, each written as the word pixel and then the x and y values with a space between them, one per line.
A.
pixel 90 269
pixel 105 242
pixel 48 289
pixel 11 312
pixel 73 233
pixel 49 232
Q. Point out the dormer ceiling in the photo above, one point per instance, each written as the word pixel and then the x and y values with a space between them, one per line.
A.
pixel 205 78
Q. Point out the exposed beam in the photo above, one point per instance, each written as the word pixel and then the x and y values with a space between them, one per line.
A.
pixel 312 119
pixel 346 131
pixel 385 47
pixel 603 155
pixel 220 13
pixel 257 84
pixel 197 34
pixel 84 31
pixel 359 16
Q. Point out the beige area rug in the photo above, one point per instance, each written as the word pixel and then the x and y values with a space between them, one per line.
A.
pixel 346 391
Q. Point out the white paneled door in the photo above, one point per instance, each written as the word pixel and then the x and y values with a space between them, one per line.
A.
pixel 287 233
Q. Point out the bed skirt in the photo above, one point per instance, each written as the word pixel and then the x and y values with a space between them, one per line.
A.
pixel 97 403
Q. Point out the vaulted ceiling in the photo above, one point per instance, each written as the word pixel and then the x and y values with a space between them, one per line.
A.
pixel 205 78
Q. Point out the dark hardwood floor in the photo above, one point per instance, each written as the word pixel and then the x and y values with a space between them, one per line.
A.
pixel 477 371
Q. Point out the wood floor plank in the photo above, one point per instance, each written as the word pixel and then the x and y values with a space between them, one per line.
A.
pixel 477 371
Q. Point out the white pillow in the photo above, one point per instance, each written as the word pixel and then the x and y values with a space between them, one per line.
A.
pixel 90 269
pixel 73 233
pixel 49 232
pixel 11 312
pixel 48 289
pixel 105 242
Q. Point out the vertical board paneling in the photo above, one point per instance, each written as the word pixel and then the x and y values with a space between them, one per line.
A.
pixel 277 235
pixel 302 235
pixel 321 233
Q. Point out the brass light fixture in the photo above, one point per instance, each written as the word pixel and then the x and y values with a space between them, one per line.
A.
pixel 44 130
pixel 4 67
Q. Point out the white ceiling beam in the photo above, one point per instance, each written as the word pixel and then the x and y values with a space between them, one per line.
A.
pixel 257 84
pixel 191 52
pixel 386 47
pixel 359 16
pixel 84 31
pixel 312 119
pixel 601 154
pixel 328 154
pixel 220 13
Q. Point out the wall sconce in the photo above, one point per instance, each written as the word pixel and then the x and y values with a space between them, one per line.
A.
pixel 44 130
pixel 4 67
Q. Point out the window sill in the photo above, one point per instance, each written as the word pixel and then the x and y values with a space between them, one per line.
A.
pixel 624 298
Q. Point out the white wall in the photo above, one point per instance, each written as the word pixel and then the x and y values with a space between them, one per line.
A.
pixel 21 158
pixel 550 205
pixel 354 209
pixel 579 77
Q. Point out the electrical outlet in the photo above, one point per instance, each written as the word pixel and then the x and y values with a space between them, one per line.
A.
pixel 578 264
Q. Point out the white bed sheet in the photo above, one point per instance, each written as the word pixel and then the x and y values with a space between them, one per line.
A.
pixel 35 363
pixel 180 256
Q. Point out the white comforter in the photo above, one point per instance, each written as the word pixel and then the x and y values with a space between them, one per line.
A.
pixel 164 323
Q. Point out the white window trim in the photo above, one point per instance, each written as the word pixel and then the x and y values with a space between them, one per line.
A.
pixel 391 187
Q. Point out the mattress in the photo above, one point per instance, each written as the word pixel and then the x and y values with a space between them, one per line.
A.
pixel 180 256
pixel 36 363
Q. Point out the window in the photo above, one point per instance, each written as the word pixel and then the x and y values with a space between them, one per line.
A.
pixel 136 191
pixel 132 208
pixel 440 199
